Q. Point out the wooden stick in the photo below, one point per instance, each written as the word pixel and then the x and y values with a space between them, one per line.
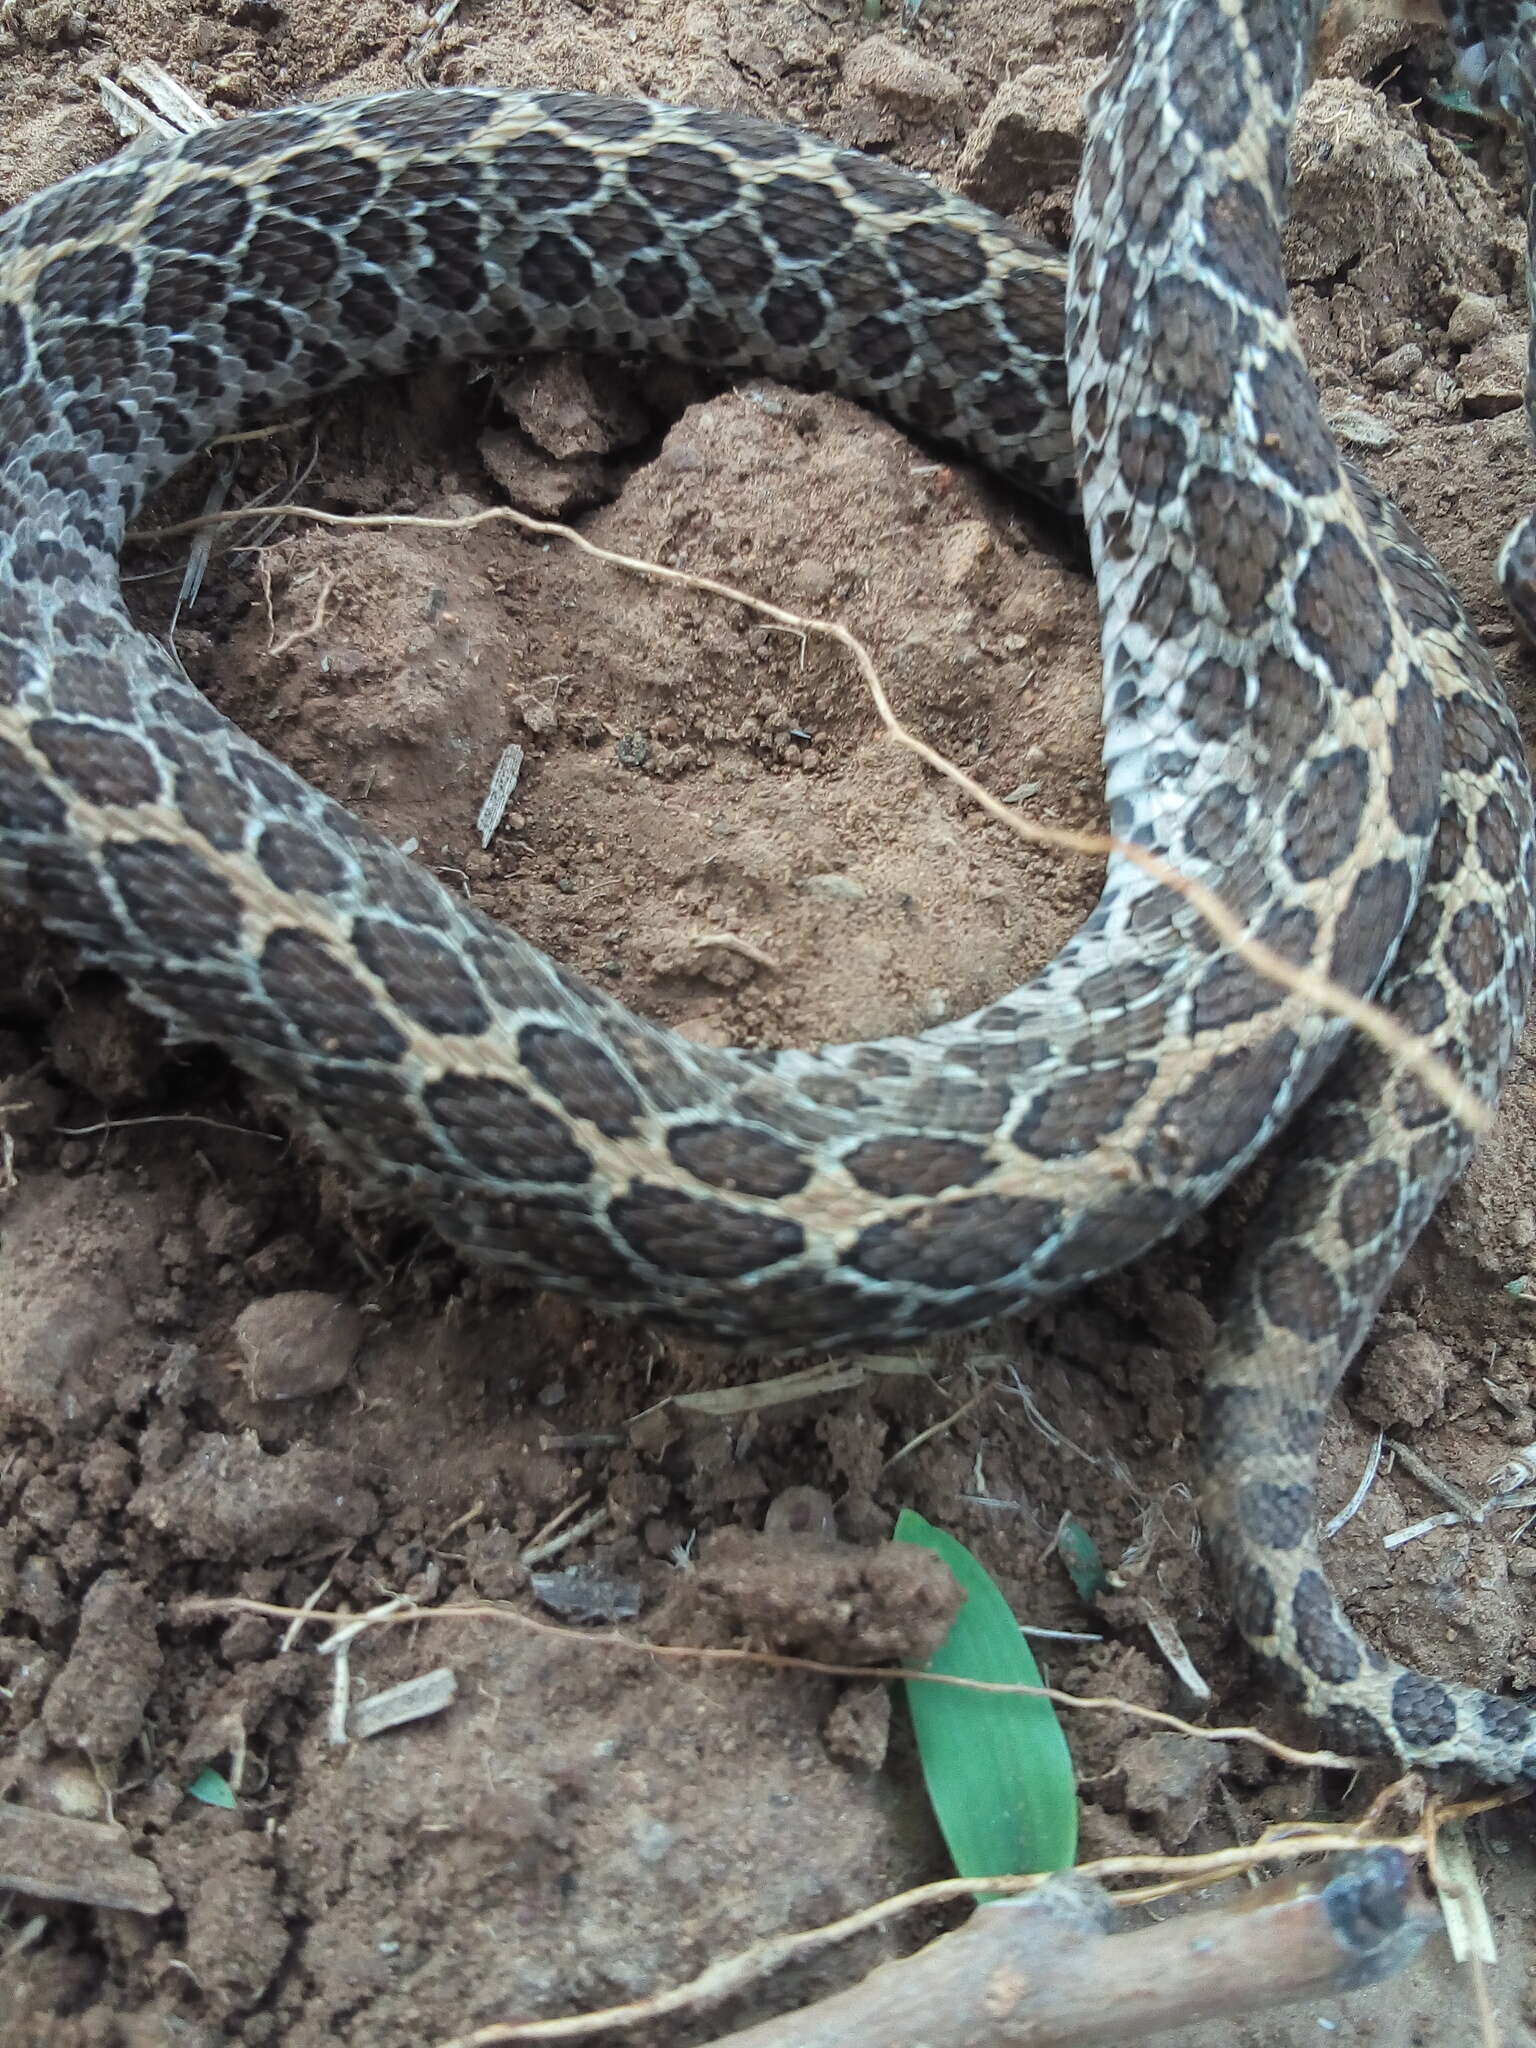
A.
pixel 1045 1972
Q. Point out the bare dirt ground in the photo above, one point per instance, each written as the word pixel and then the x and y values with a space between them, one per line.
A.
pixel 710 822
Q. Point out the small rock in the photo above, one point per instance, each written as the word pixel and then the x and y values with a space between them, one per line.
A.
pixel 295 1346
pixel 229 1498
pixel 813 582
pixel 69 1786
pixel 965 553
pixel 586 1593
pixel 97 1702
pixel 1030 138
pixel 653 1840
pixel 833 888
pixel 494 1563
pixel 1357 429
pixel 1474 319
pixel 1493 376
pixel 229 1229
pixel 1397 369
pixel 539 716
pixel 247 1639
pixel 40 1594
pixel 886 68
pixel 1404 1376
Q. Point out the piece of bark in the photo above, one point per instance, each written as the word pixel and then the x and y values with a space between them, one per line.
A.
pixel 86 1862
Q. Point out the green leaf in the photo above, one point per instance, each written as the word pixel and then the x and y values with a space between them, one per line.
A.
pixel 1080 1554
pixel 1457 100
pixel 996 1765
pixel 211 1789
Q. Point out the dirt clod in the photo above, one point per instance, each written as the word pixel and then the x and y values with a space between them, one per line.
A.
pixel 97 1702
pixel 1030 137
pixel 1167 1780
pixel 858 1729
pixel 1404 1375
pixel 227 1887
pixel 229 1498
pixel 811 1598
pixel 298 1345
pixel 887 68
pixel 570 407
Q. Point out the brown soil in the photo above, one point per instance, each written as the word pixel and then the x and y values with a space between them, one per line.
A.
pixel 220 1377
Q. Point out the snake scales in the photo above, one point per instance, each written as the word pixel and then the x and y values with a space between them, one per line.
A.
pixel 1297 713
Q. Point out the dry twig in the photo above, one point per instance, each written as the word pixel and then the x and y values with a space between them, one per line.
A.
pixel 391 1613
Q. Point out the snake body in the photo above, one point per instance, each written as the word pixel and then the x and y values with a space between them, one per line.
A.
pixel 1297 714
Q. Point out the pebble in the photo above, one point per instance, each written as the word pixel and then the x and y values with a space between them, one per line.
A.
pixel 584 1593
pixel 1398 368
pixel 653 1840
pixel 540 717
pixel 833 888
pixel 1361 429
pixel 1473 320
pixel 965 554
pixel 1493 376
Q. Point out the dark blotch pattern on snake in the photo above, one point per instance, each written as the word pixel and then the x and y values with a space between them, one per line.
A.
pixel 1297 715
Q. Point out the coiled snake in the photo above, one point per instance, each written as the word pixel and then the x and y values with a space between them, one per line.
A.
pixel 1296 711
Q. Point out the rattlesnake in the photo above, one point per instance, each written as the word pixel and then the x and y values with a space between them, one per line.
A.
pixel 1297 714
